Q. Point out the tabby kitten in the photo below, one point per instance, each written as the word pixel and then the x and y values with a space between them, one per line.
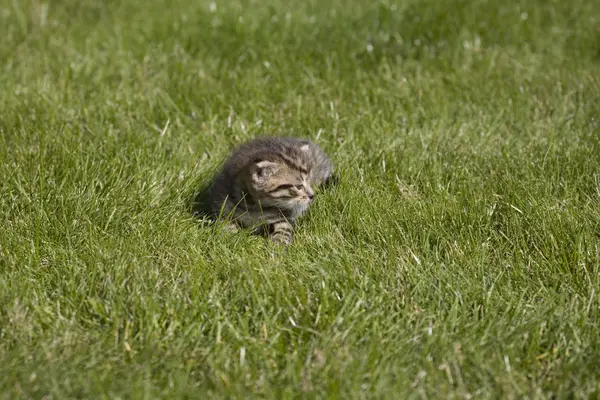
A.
pixel 267 183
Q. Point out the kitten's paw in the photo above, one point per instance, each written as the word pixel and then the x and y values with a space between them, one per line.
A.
pixel 230 228
pixel 283 238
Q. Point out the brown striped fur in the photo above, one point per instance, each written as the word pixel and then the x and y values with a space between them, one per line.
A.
pixel 268 183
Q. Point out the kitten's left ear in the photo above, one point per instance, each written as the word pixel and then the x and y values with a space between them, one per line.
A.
pixel 262 169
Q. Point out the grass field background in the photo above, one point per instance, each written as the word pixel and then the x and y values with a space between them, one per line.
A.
pixel 459 255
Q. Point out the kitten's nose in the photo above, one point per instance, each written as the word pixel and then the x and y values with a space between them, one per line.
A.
pixel 310 193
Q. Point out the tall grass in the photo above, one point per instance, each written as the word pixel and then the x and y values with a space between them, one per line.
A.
pixel 457 257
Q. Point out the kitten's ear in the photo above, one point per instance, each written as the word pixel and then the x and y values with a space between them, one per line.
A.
pixel 262 169
pixel 305 147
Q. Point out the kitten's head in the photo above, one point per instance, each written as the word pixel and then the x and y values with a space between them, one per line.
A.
pixel 278 182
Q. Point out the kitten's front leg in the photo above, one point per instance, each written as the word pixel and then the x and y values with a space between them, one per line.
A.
pixel 281 232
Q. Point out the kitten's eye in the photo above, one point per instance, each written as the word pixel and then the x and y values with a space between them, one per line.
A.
pixel 284 186
pixel 299 187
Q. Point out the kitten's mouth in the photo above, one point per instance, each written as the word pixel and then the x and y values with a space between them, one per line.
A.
pixel 294 204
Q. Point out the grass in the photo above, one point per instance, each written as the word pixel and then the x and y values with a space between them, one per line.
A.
pixel 458 257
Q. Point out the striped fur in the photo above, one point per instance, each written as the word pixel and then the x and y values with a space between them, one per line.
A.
pixel 268 183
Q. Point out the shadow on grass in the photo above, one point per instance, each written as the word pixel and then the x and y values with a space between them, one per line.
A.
pixel 200 204
pixel 331 182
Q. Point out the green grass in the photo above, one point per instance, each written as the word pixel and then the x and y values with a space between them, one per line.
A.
pixel 459 255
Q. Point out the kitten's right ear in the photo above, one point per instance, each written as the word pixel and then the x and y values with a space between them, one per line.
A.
pixel 305 147
pixel 262 169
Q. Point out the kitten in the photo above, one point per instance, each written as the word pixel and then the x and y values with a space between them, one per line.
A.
pixel 267 183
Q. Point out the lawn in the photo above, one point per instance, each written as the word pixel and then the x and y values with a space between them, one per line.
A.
pixel 458 256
